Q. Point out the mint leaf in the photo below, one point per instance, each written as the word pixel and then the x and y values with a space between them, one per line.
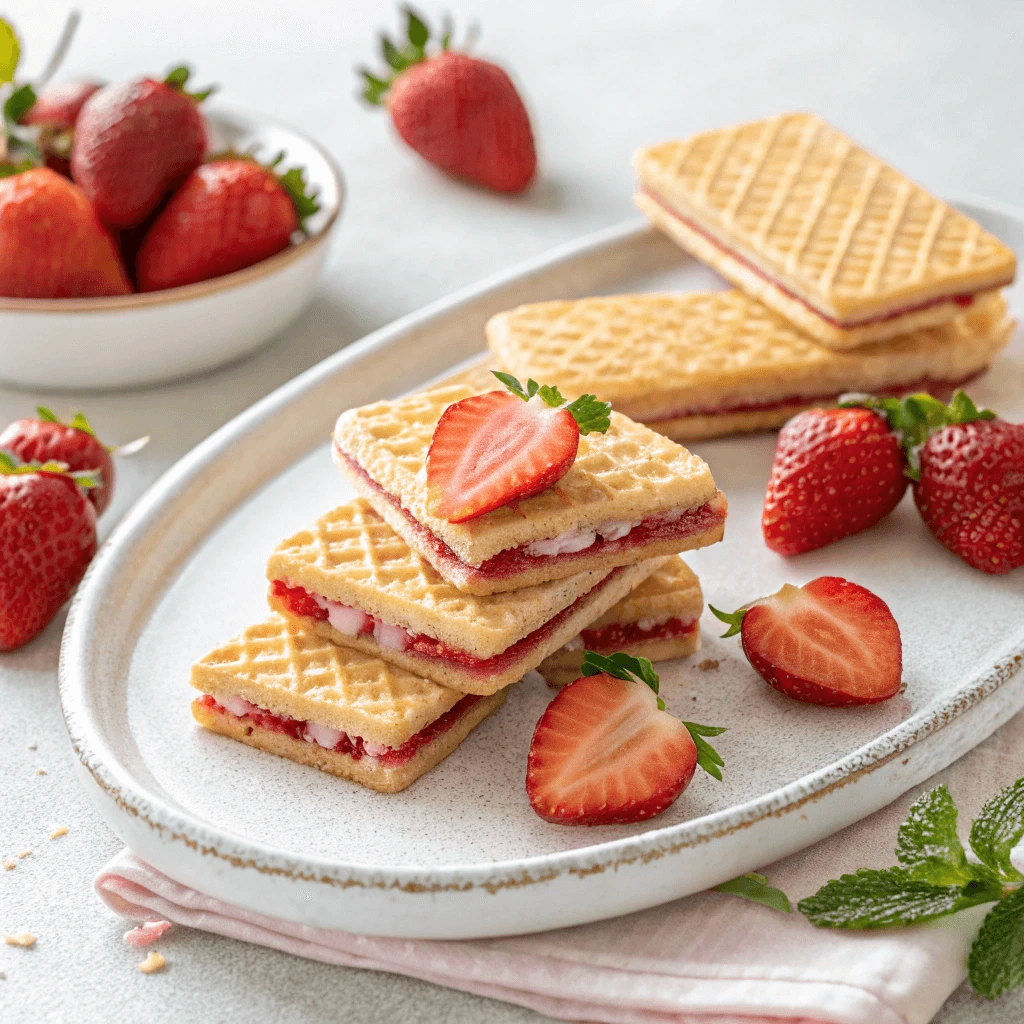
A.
pixel 928 843
pixel 707 757
pixel 890 898
pixel 512 383
pixel 733 619
pixel 998 829
pixel 996 961
pixel 755 887
pixel 622 666
pixel 591 416
pixel 10 52
pixel 19 103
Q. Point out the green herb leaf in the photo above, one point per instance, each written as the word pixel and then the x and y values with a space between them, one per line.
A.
pixel 512 383
pixel 19 103
pixel 707 757
pixel 549 395
pixel 755 887
pixel 79 422
pixel 10 52
pixel 591 416
pixel 928 844
pixel 417 33
pixel 47 415
pixel 998 829
pixel 374 88
pixel 623 666
pixel 734 620
pixel 393 57
pixel 177 77
pixel 890 898
pixel 996 961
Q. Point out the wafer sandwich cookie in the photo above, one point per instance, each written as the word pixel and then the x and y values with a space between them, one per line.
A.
pixel 353 580
pixel 658 620
pixel 796 214
pixel 631 495
pixel 293 693
pixel 705 364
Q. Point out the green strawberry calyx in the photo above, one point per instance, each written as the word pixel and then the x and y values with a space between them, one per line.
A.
pixel 19 148
pixel 10 465
pixel 591 416
pixel 80 422
pixel 177 78
pixel 412 51
pixel 915 418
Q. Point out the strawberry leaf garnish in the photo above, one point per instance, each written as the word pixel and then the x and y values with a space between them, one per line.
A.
pixel 734 620
pixel 591 415
pixel 755 887
pixel 177 78
pixel 707 757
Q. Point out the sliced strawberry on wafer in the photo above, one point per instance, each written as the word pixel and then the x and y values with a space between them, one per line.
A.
pixel 829 642
pixel 502 446
pixel 605 752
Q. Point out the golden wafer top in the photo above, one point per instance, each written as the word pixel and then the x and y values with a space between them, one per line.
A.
pixel 652 353
pixel 351 555
pixel 295 673
pixel 835 225
pixel 625 474
pixel 672 591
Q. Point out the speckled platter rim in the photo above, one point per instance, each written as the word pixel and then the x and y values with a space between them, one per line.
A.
pixel 216 459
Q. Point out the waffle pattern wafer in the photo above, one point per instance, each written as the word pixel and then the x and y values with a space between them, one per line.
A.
pixel 304 676
pixel 351 555
pixel 702 354
pixel 367 771
pixel 791 201
pixel 626 474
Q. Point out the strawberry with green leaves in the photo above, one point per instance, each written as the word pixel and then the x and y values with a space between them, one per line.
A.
pixel 47 539
pixel 503 446
pixel 967 468
pixel 606 752
pixel 227 215
pixel 460 113
pixel 829 642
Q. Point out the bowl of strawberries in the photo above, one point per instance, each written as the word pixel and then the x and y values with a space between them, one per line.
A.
pixel 145 238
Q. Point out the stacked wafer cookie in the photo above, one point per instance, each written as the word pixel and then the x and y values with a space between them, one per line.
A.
pixel 849 277
pixel 393 633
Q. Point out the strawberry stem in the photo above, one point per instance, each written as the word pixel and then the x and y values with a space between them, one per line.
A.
pixel 733 619
pixel 591 416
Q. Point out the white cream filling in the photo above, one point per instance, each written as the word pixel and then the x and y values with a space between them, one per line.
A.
pixel 650 623
pixel 579 538
pixel 395 638
pixel 322 735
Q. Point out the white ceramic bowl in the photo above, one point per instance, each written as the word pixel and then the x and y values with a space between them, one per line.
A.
pixel 134 340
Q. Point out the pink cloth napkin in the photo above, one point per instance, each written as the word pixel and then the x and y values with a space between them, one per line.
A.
pixel 707 959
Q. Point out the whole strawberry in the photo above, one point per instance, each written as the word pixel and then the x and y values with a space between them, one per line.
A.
pixel 227 215
pixel 47 539
pixel 459 112
pixel 134 141
pixel 836 472
pixel 55 112
pixel 74 444
pixel 52 244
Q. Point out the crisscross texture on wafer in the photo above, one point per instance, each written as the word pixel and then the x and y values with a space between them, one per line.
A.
pixel 652 355
pixel 351 555
pixel 811 209
pixel 626 474
pixel 302 675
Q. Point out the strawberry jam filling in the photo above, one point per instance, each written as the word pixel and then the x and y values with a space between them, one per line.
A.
pixel 962 299
pixel 941 389
pixel 617 636
pixel 355 746
pixel 301 602
pixel 513 561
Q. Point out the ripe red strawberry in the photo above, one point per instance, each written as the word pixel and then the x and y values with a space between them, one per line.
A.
pixel 54 113
pixel 134 141
pixel 227 215
pixel 829 642
pixel 52 244
pixel 459 112
pixel 836 472
pixel 502 446
pixel 75 444
pixel 47 539
pixel 605 752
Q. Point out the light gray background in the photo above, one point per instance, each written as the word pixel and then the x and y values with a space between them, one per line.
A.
pixel 935 87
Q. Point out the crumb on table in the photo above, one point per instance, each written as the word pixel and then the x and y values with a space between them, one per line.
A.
pixel 23 854
pixel 40 771
pixel 707 664
pixel 60 830
pixel 152 963
pixel 23 939
pixel 9 865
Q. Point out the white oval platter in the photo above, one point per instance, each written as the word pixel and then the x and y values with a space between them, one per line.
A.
pixel 460 853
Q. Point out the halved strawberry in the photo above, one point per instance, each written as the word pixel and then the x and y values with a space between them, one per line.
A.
pixel 829 642
pixel 605 752
pixel 502 446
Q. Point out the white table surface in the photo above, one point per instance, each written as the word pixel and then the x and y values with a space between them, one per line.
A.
pixel 934 86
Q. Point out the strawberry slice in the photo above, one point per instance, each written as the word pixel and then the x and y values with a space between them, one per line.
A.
pixel 605 752
pixel 499 447
pixel 829 642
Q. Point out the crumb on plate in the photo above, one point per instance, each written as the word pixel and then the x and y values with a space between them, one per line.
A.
pixel 152 963
pixel 23 939
pixel 9 865
pixel 23 854
pixel 707 664
pixel 60 830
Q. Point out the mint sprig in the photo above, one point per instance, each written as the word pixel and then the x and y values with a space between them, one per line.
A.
pixel 591 415
pixel 935 879
pixel 755 887
pixel 625 666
